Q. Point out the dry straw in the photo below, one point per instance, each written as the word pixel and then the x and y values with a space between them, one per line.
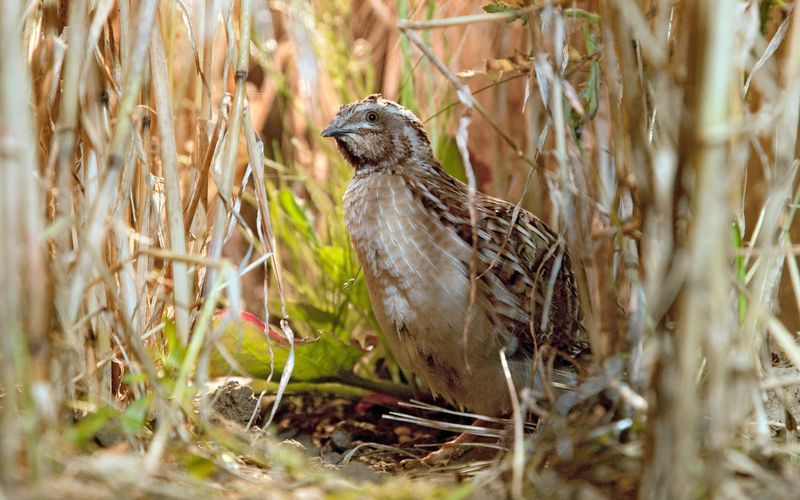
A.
pixel 659 136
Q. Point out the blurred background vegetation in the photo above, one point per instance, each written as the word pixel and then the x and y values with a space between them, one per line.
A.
pixel 161 162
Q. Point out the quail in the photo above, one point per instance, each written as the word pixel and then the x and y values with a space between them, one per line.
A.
pixel 409 222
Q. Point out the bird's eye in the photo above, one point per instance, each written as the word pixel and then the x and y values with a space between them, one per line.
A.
pixel 372 117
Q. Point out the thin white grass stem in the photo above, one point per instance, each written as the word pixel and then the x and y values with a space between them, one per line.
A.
pixel 434 408
pixel 784 339
pixel 225 186
pixel 794 275
pixel 775 382
pixel 518 456
pixel 181 286
pixel 378 446
pixel 255 151
pixel 445 426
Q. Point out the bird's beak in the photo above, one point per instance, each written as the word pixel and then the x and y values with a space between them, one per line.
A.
pixel 333 130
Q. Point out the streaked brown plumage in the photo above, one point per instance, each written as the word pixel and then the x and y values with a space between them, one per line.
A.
pixel 410 225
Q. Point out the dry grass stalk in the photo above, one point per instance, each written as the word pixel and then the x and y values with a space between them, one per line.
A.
pixel 643 130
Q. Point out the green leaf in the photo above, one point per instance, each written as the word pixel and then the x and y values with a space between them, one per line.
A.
pixel 134 418
pixel 495 8
pixel 175 350
pixel 318 319
pixel 315 359
pixel 84 431
pixel 131 378
pixel 577 13
pixel 199 467
pixel 591 89
pixel 499 8
pixel 297 214
pixel 741 269
pixel 333 261
pixel 449 156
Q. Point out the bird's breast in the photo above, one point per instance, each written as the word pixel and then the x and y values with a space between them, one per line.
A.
pixel 409 259
pixel 417 274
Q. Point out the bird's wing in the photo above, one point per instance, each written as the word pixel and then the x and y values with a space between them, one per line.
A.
pixel 523 269
pixel 526 258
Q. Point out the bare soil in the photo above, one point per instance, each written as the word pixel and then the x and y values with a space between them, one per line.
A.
pixel 339 431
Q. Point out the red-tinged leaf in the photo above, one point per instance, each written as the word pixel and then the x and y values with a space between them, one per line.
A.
pixel 376 399
pixel 320 359
pixel 254 320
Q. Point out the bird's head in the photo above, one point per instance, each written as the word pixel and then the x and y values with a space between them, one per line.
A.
pixel 375 133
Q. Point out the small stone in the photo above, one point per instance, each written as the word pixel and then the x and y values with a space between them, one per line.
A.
pixel 341 438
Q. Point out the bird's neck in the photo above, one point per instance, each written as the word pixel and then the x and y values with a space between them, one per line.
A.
pixel 414 163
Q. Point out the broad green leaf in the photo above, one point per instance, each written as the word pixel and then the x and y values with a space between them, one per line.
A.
pixel 319 319
pixel 315 359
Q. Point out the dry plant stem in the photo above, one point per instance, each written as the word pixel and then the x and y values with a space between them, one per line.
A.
pixel 143 224
pixel 201 183
pixel 95 298
pixel 124 32
pixel 556 107
pixel 225 186
pixel 776 218
pixel 21 263
pixel 518 456
pixel 634 155
pixel 468 102
pixel 126 299
pixel 702 314
pixel 68 117
pixel 181 286
pixel 255 151
pixel 207 36
pixel 62 150
pixel 92 234
pixel 128 293
pixel 405 24
pixel 652 51
pixel 794 274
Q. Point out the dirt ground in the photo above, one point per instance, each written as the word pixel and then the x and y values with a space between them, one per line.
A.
pixel 351 433
pixel 352 436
